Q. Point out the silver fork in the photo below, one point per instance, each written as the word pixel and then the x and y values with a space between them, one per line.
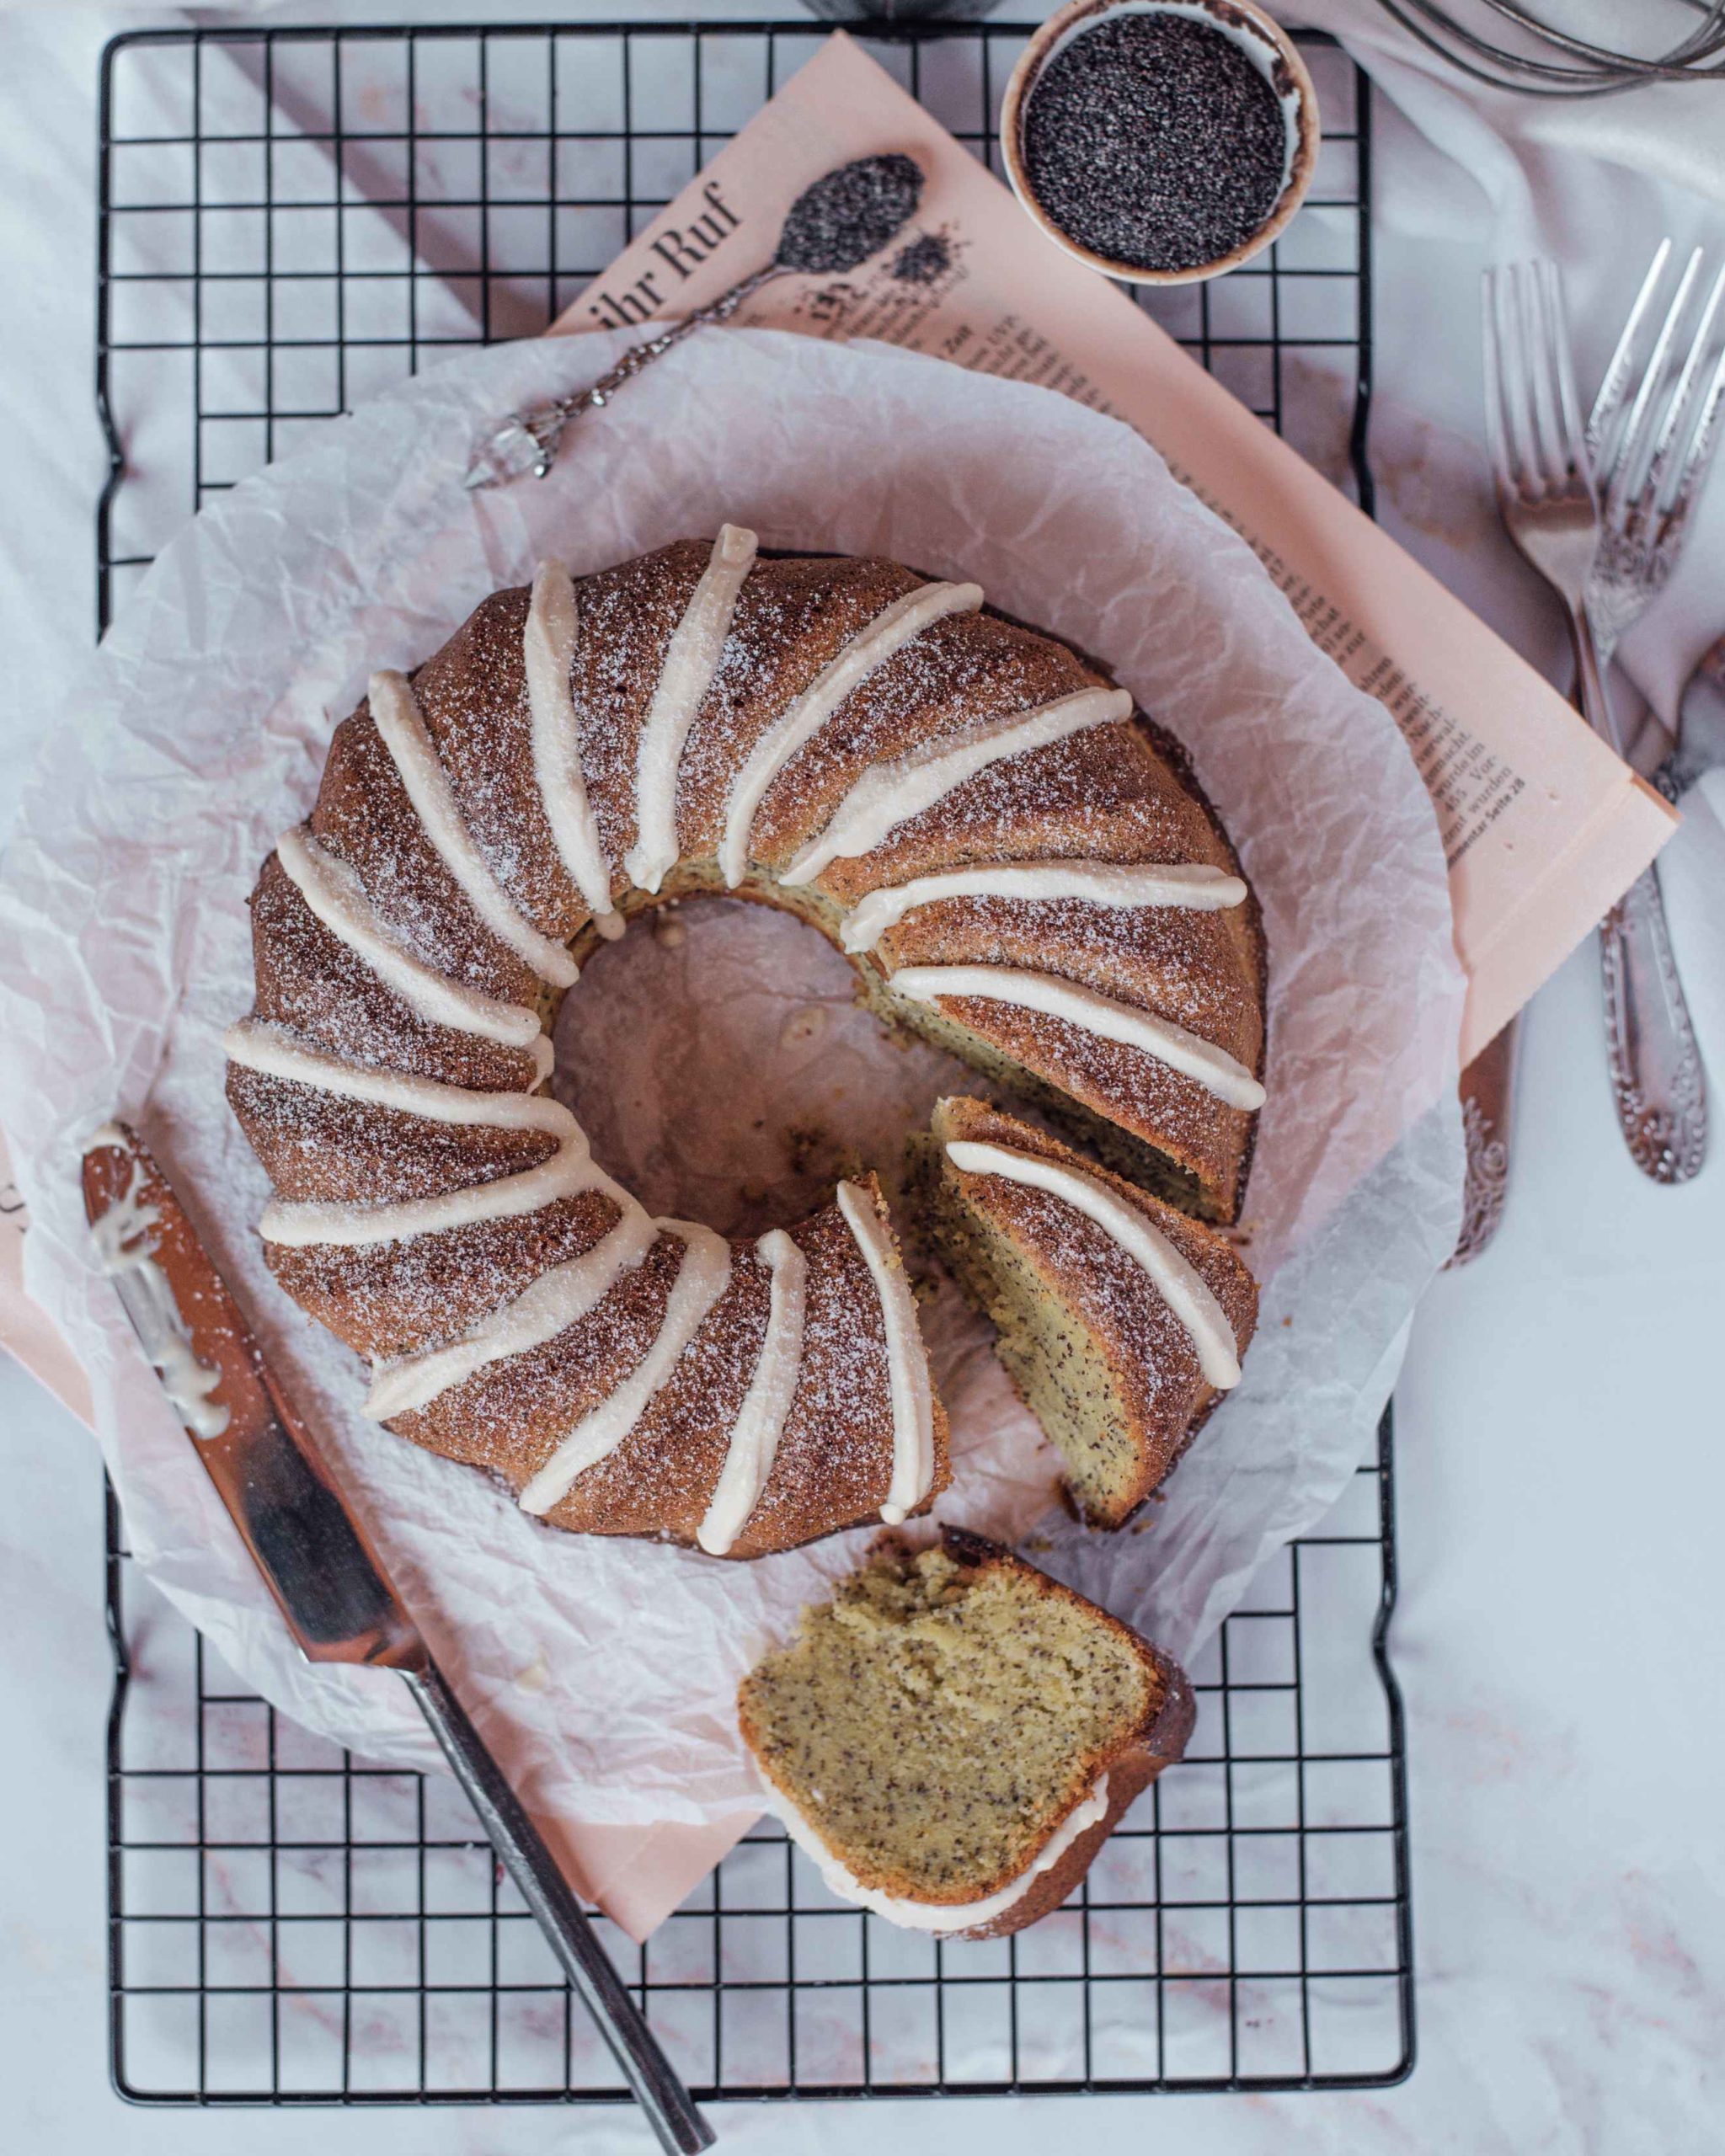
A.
pixel 1547 498
pixel 1651 435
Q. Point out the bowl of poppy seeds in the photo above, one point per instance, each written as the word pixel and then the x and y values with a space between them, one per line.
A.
pixel 1161 141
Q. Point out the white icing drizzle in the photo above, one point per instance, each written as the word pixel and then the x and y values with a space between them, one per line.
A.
pixel 761 1420
pixel 395 712
pixel 123 1245
pixel 337 899
pixel 549 639
pixel 569 1171
pixel 935 1916
pixel 702 1279
pixel 691 661
pixel 890 794
pixel 795 727
pixel 260 1046
pixel 1191 887
pixel 907 1366
pixel 1179 1284
pixel 556 1300
pixel 1211 1067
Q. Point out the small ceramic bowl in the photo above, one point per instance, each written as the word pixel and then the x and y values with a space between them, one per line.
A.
pixel 1271 50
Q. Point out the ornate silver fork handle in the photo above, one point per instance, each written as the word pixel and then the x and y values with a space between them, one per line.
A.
pixel 1657 1079
pixel 528 442
pixel 1546 496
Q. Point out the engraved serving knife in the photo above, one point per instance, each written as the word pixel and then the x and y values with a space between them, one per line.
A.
pixel 319 1564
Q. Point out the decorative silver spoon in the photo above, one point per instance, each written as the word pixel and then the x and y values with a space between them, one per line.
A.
pixel 834 225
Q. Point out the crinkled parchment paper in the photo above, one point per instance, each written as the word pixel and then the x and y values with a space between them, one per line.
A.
pixel 721 1062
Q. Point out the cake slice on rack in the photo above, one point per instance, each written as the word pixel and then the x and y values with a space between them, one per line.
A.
pixel 953 1737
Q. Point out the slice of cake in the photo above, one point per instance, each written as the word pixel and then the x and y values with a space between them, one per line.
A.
pixel 1121 1321
pixel 953 1737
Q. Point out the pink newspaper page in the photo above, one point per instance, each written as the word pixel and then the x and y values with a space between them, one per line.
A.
pixel 1544 827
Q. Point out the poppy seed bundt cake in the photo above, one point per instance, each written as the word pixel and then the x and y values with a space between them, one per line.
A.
pixel 952 1738
pixel 1017 865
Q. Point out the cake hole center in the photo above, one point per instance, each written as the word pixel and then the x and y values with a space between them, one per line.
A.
pixel 724 1071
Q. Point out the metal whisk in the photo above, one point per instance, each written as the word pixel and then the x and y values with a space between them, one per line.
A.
pixel 1552 62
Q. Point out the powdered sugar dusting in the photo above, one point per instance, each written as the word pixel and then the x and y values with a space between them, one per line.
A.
pixel 190 755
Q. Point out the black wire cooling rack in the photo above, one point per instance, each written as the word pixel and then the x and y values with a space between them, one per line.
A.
pixel 291 220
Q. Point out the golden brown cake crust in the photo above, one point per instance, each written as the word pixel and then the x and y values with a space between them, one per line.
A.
pixel 834 1461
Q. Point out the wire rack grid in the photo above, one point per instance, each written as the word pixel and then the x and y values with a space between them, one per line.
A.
pixel 292 221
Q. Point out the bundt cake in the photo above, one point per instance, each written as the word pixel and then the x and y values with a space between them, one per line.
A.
pixel 952 1738
pixel 1121 1321
pixel 1019 867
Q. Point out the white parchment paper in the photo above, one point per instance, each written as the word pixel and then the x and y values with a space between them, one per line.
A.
pixel 718 1061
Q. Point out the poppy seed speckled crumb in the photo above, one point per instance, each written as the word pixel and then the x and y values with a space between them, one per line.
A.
pixel 937 1721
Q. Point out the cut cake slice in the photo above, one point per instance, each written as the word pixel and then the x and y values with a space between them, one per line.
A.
pixel 1121 1321
pixel 954 1736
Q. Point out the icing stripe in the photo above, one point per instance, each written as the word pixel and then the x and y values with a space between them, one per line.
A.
pixel 337 899
pixel 126 1250
pixel 556 1300
pixel 702 1279
pixel 690 662
pixel 1191 887
pixel 907 1366
pixel 396 715
pixel 889 794
pixel 1211 1067
pixel 795 727
pixel 568 1172
pixel 258 1045
pixel 1178 1282
pixel 549 639
pixel 761 1420
pixel 938 1918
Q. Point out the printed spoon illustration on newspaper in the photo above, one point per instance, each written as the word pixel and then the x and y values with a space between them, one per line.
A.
pixel 834 225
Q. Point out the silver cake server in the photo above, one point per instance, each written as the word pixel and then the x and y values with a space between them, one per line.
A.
pixel 319 1564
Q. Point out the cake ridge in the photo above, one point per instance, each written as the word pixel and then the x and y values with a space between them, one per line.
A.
pixel 395 714
pixel 549 639
pixel 558 1299
pixel 1107 1016
pixel 1177 1283
pixel 257 1044
pixel 1093 882
pixel 691 661
pixel 895 626
pixel 701 1280
pixel 335 895
pixel 754 1436
pixel 907 1366
pixel 890 795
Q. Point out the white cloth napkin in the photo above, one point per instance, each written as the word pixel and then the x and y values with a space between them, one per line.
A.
pixel 1668 132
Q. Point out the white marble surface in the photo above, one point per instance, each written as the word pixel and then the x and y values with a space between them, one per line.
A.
pixel 1563 1604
